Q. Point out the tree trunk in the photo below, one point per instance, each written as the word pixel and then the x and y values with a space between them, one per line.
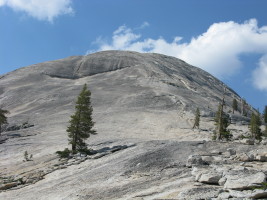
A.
pixel 74 144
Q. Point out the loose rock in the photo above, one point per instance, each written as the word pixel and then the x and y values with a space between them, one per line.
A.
pixel 210 178
pixel 195 160
pixel 241 180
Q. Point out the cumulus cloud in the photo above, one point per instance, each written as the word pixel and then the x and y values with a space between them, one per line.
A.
pixel 260 74
pixel 123 38
pixel 40 9
pixel 217 51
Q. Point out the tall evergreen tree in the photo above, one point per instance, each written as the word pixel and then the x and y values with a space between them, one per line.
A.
pixel 3 118
pixel 254 126
pixel 197 119
pixel 244 108
pixel 265 114
pixel 265 118
pixel 234 105
pixel 222 121
pixel 81 123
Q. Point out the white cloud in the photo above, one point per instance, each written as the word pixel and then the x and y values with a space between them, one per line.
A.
pixel 122 38
pixel 217 50
pixel 144 25
pixel 40 9
pixel 2 2
pixel 260 74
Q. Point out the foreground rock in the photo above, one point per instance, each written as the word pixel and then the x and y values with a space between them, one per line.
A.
pixel 144 170
pixel 243 179
pixel 210 178
pixel 199 193
pixel 232 179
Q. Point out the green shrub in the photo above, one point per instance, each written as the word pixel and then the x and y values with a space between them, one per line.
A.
pixel 27 157
pixel 227 135
pixel 64 154
pixel 213 137
pixel 67 153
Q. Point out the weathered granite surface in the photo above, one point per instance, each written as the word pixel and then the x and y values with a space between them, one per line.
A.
pixel 144 103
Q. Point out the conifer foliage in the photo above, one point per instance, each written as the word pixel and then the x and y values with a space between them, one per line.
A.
pixel 222 121
pixel 81 123
pixel 254 126
pixel 197 119
pixel 3 119
pixel 265 118
pixel 265 114
pixel 244 108
pixel 234 105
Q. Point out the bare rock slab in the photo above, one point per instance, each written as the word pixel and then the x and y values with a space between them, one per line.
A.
pixel 210 178
pixel 241 180
pixel 199 193
pixel 246 194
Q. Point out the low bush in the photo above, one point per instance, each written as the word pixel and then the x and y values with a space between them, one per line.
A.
pixel 64 154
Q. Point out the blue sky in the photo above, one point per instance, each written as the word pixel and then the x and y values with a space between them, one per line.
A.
pixel 227 38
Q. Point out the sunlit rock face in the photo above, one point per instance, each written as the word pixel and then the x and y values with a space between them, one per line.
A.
pixel 143 102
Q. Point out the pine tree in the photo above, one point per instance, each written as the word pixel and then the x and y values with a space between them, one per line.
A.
pixel 197 119
pixel 265 114
pixel 222 121
pixel 234 105
pixel 265 118
pixel 3 119
pixel 254 126
pixel 81 123
pixel 244 108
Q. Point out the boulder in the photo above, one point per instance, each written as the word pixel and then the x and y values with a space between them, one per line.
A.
pixel 210 178
pixel 258 194
pixel 231 151
pixel 245 157
pixel 239 194
pixel 261 158
pixel 222 181
pixel 247 141
pixel 195 160
pixel 206 175
pixel 243 179
pixel 248 194
pixel 198 171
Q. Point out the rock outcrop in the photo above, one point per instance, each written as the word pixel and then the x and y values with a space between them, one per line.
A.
pixel 144 108
pixel 233 179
